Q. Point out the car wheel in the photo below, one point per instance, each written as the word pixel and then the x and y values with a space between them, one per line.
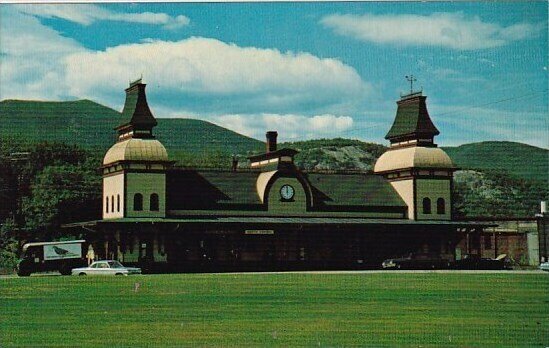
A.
pixel 82 274
pixel 118 274
pixel 65 270
pixel 398 266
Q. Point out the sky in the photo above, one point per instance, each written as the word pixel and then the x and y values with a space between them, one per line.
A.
pixel 306 69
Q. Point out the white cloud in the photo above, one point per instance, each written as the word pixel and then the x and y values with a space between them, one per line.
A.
pixel 263 79
pixel 36 69
pixel 451 30
pixel 86 14
pixel 289 126
pixel 31 54
pixel 198 75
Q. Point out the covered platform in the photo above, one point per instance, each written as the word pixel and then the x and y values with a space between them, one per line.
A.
pixel 269 243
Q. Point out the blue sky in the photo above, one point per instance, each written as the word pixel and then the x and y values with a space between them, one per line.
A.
pixel 308 70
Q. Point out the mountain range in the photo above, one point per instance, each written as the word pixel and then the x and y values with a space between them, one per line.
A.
pixel 192 141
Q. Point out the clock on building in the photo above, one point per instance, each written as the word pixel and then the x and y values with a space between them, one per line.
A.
pixel 287 192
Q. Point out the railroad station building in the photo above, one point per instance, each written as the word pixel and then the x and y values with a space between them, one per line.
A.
pixel 273 216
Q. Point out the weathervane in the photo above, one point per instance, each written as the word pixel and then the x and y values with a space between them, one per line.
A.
pixel 411 79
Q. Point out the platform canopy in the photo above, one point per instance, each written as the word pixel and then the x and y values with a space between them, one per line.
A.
pixel 235 220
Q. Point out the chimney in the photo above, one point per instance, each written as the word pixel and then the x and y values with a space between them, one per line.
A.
pixel 271 141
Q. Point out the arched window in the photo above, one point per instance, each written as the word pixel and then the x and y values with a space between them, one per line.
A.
pixel 426 206
pixel 441 206
pixel 118 203
pixel 112 203
pixel 154 202
pixel 106 204
pixel 138 202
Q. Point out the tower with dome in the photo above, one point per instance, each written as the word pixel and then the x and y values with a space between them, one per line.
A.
pixel 415 166
pixel 134 168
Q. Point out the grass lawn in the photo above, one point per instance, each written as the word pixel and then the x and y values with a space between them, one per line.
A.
pixel 427 309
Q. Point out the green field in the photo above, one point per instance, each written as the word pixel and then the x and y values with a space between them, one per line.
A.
pixel 361 309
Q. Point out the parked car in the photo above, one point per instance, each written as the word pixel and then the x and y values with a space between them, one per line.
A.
pixel 544 266
pixel 477 262
pixel 106 267
pixel 417 261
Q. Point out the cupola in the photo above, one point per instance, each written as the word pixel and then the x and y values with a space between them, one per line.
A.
pixel 136 141
pixel 412 123
pixel 137 119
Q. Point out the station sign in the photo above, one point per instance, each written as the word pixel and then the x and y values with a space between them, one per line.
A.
pixel 262 232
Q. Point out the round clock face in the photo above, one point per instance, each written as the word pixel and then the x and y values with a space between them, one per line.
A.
pixel 287 192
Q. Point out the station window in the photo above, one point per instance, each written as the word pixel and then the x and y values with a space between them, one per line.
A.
pixel 441 206
pixel 118 203
pixel 154 202
pixel 426 206
pixel 112 203
pixel 106 204
pixel 138 202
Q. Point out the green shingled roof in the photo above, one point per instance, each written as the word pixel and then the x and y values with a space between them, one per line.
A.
pixel 136 110
pixel 353 190
pixel 225 190
pixel 412 118
pixel 194 189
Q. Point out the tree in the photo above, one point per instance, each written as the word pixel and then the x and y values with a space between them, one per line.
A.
pixel 493 193
pixel 8 190
pixel 8 245
pixel 62 194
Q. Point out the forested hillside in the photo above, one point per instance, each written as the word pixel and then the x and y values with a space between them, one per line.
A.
pixel 91 126
pixel 517 159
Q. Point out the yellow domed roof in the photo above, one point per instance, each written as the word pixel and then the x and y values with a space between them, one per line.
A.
pixel 413 157
pixel 136 150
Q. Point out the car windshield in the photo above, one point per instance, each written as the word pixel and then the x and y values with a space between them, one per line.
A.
pixel 115 264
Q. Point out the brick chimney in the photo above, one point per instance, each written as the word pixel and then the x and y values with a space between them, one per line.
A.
pixel 271 141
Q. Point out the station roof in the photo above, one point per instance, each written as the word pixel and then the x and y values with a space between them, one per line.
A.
pixel 353 190
pixel 219 190
pixel 203 189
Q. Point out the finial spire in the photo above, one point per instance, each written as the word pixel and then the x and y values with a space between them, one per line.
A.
pixel 411 78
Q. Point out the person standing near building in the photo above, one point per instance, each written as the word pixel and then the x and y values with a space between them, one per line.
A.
pixel 90 255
